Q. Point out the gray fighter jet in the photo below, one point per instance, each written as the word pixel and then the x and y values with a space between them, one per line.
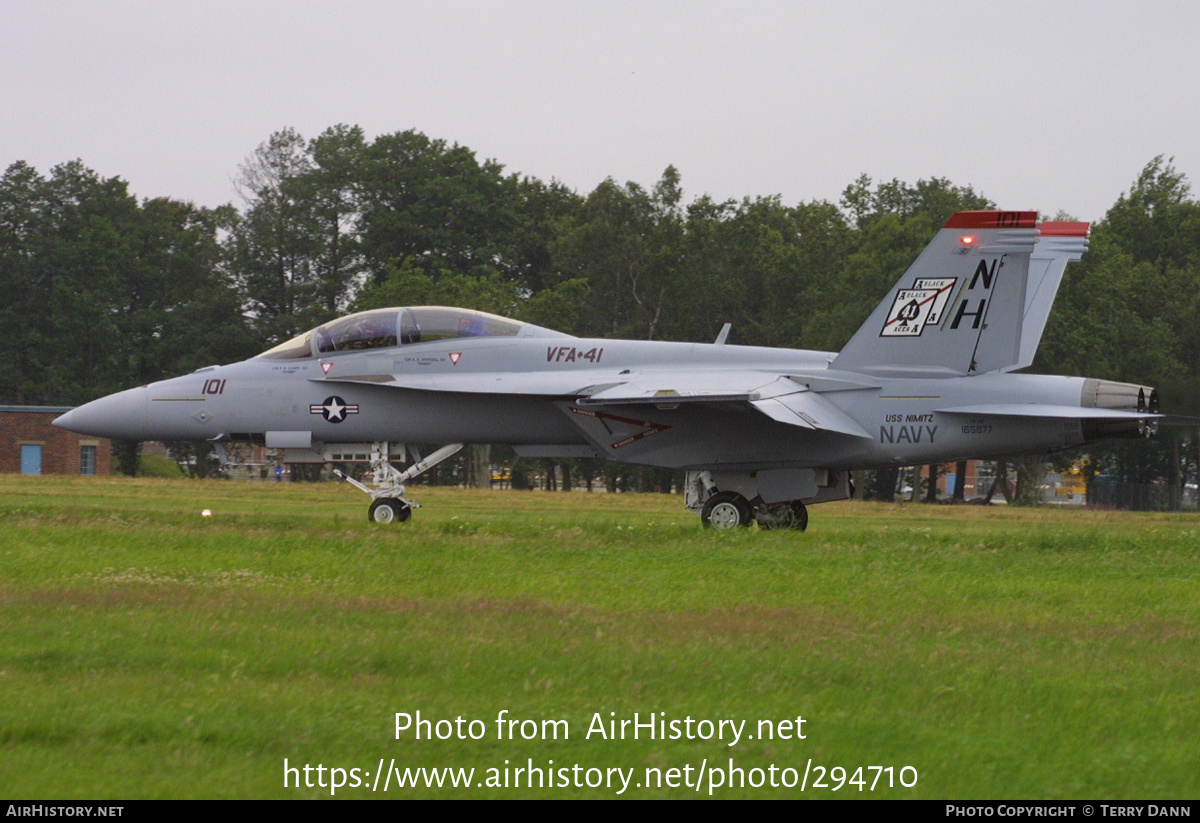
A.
pixel 762 433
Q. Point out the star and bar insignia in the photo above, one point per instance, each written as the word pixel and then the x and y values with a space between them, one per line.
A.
pixel 334 409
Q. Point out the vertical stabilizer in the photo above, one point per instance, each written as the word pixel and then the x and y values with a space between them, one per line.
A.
pixel 962 306
pixel 1059 243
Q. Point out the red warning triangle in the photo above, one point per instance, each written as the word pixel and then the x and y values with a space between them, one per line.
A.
pixel 325 367
pixel 454 355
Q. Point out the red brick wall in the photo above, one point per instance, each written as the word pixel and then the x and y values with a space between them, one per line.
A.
pixel 61 449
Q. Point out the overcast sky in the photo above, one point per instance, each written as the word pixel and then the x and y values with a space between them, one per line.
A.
pixel 1038 105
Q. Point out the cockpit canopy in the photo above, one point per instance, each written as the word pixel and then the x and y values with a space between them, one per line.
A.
pixel 381 328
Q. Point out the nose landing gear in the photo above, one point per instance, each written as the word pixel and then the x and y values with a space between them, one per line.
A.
pixel 389 505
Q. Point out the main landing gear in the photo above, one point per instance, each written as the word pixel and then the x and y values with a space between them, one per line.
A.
pixel 389 505
pixel 727 509
pixel 791 515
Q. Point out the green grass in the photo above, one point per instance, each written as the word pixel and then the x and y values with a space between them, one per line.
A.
pixel 146 651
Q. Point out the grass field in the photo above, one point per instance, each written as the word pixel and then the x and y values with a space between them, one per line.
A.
pixel 146 651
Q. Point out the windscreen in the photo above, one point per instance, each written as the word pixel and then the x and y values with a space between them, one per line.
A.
pixel 297 347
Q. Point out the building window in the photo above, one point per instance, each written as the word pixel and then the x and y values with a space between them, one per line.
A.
pixel 87 459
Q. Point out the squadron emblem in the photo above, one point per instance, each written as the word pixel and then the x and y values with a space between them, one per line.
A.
pixel 918 307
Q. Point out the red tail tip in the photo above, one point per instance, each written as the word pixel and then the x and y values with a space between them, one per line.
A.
pixel 993 220
pixel 1064 229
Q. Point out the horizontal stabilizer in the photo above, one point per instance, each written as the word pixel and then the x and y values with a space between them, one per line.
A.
pixel 1065 412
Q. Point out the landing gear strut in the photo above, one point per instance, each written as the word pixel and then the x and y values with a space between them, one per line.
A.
pixel 389 505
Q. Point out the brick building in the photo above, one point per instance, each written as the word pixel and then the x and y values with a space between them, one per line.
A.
pixel 30 444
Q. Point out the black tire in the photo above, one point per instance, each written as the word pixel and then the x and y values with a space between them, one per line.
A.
pixel 726 511
pixel 801 511
pixel 388 510
pixel 775 517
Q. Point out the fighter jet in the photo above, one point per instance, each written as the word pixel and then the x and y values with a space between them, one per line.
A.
pixel 762 433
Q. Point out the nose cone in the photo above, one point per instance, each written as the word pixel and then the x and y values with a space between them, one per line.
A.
pixel 118 416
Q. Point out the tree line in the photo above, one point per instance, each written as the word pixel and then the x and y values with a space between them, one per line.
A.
pixel 103 291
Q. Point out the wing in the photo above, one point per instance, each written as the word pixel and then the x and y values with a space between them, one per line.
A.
pixel 779 397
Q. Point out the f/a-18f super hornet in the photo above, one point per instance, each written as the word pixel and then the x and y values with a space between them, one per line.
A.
pixel 761 432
